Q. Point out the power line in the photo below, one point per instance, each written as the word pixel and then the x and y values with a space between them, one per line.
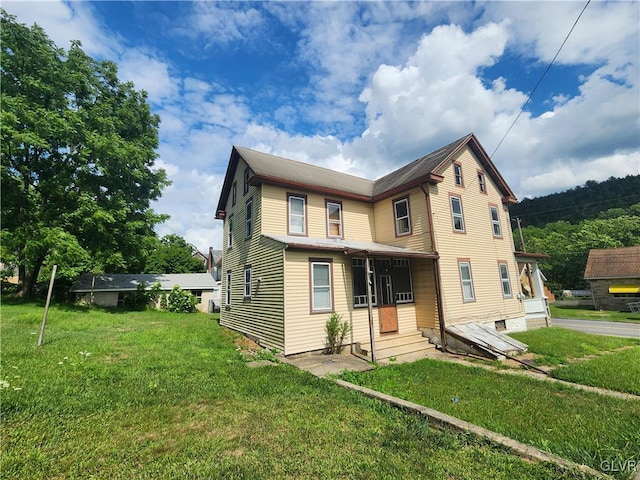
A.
pixel 540 80
pixel 578 206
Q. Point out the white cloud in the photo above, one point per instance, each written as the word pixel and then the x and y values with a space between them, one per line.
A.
pixel 148 73
pixel 560 177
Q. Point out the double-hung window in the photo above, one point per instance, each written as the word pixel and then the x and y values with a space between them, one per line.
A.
pixel 297 214
pixel 504 278
pixel 482 184
pixel 456 214
pixel 321 285
pixel 248 222
pixel 247 282
pixel 402 217
pixel 334 219
pixel 234 193
pixel 457 174
pixel 466 280
pixel 495 221
pixel 227 299
pixel 247 177
pixel 230 232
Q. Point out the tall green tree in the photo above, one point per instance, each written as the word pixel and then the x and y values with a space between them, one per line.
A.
pixel 78 153
pixel 173 255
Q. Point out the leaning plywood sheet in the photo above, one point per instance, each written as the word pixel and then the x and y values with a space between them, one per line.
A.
pixel 487 337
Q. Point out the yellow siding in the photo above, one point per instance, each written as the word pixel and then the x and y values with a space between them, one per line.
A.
pixel 261 316
pixel 419 239
pixel 357 216
pixel 478 245
pixel 424 287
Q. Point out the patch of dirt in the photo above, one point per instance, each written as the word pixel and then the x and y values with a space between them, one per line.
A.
pixel 246 344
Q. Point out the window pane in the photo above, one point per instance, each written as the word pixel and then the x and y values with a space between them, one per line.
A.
pixel 320 275
pixel 402 225
pixel 457 223
pixel 321 298
pixel 465 272
pixel 334 211
pixel 467 290
pixel 456 205
pixel 401 208
pixel 296 206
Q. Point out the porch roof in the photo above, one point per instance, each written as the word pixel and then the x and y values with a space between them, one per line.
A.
pixel 349 247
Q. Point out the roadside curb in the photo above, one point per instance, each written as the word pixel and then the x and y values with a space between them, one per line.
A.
pixel 442 420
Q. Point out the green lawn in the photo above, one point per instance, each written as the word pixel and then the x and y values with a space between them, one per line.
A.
pixel 157 395
pixel 616 365
pixel 582 426
pixel 591 314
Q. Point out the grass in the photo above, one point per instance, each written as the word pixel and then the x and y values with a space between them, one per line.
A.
pixel 558 311
pixel 616 366
pixel 582 426
pixel 557 346
pixel 158 395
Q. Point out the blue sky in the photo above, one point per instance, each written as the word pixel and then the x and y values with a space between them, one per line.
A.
pixel 365 88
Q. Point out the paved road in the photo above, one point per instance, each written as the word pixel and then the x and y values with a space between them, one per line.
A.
pixel 616 329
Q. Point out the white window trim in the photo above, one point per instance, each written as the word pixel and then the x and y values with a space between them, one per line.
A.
pixel 230 232
pixel 455 215
pixel 397 218
pixel 304 214
pixel 315 309
pixel 469 282
pixel 458 167
pixel 505 281
pixel 248 222
pixel 247 282
pixel 228 290
pixel 495 222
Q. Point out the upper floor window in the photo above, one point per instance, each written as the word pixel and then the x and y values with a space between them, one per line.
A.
pixel 457 173
pixel 482 182
pixel 504 278
pixel 230 232
pixel 402 217
pixel 247 176
pixel 495 221
pixel 456 214
pixel 321 286
pixel 466 281
pixel 248 223
pixel 334 219
pixel 247 282
pixel 297 214
pixel 234 193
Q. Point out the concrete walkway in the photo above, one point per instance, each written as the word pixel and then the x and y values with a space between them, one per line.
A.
pixel 322 365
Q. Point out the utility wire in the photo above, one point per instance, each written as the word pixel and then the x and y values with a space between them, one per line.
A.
pixel 540 80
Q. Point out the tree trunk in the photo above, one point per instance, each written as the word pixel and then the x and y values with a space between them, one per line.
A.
pixel 27 279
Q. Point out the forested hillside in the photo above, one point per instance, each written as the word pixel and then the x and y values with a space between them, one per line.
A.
pixel 579 203
pixel 597 215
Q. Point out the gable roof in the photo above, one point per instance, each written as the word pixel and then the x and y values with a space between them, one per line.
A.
pixel 285 172
pixel 623 262
pixel 121 282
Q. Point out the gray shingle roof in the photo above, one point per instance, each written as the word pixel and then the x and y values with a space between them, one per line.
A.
pixel 120 282
pixel 266 166
pixel 293 174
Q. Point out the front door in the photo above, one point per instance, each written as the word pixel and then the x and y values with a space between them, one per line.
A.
pixel 387 313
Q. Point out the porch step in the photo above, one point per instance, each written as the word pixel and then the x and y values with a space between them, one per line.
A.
pixel 396 346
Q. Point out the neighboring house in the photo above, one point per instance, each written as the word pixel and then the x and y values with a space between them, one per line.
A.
pixel 211 261
pixel 614 275
pixel 435 236
pixel 111 290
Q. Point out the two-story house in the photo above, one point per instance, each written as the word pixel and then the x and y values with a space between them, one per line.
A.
pixel 299 239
